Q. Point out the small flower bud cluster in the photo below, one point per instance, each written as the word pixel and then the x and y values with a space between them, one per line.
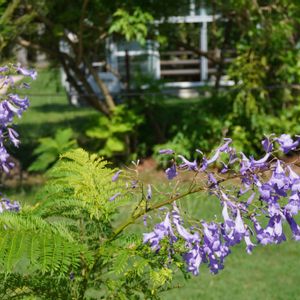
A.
pixel 266 188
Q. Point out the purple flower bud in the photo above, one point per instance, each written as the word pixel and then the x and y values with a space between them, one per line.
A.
pixel 212 180
pixel 187 164
pixel 114 196
pixel 294 226
pixel 3 69
pixel 166 151
pixel 261 163
pixel 249 244
pixel 267 144
pixel 116 176
pixel 25 72
pixel 13 136
pixel 171 172
pixel 286 143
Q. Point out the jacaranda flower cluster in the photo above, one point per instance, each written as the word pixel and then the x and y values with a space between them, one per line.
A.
pixel 11 105
pixel 268 195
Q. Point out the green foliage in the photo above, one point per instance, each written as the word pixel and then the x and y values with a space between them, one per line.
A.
pixel 67 240
pixel 85 179
pixel 113 132
pixel 49 149
pixel 132 26
pixel 31 245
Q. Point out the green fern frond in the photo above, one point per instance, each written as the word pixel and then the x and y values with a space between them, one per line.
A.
pixel 86 178
pixel 32 224
pixel 29 243
pixel 25 253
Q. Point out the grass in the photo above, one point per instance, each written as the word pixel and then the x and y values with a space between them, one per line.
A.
pixel 270 273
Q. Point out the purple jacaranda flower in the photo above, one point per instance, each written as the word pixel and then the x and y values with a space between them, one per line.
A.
pixel 294 226
pixel 12 109
pixel 239 227
pixel 212 180
pixel 187 164
pixel 193 259
pixel 279 235
pixel 250 199
pixel 6 166
pixel 265 191
pixel 268 144
pixel 3 69
pixel 249 244
pixel 245 164
pixel 22 103
pixel 25 72
pixel 166 151
pixel 149 192
pixel 6 116
pixel 213 158
pixel 261 163
pixel 224 169
pixel 171 172
pixel 273 234
pixel 293 205
pixel 189 237
pixel 287 143
pixel 294 180
pixel 13 136
pixel 160 231
pixel 116 176
pixel 263 237
pixel 112 198
pixel 7 205
pixel 223 148
pixel 213 247
pixel 279 180
pixel 228 222
pixel 233 233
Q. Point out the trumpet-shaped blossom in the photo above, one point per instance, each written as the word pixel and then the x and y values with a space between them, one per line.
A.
pixel 161 230
pixel 166 151
pixel 171 172
pixel 188 164
pixel 25 72
pixel 287 143
pixel 116 176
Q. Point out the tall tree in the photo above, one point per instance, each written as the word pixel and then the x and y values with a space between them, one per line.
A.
pixel 82 26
